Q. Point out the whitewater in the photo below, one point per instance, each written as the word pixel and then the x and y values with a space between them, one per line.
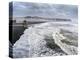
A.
pixel 47 39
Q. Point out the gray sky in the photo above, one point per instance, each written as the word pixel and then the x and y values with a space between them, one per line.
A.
pixel 45 10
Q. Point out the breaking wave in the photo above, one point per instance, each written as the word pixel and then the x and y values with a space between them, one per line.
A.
pixel 47 39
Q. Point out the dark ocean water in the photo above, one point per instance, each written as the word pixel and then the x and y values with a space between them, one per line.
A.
pixel 17 31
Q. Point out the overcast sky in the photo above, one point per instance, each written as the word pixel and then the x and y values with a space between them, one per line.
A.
pixel 45 10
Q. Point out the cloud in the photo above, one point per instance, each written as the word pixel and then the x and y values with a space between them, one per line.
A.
pixel 45 10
